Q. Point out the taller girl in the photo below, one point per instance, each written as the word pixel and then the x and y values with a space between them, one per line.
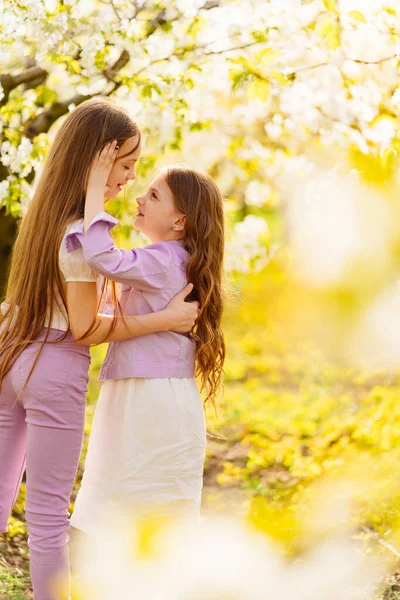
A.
pixel 51 299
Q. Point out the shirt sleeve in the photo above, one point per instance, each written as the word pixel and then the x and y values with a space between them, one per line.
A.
pixel 73 266
pixel 144 268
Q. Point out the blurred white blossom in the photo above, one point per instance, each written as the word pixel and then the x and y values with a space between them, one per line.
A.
pixel 220 558
pixel 245 250
pixel 374 343
pixel 257 193
pixel 4 185
pixel 337 224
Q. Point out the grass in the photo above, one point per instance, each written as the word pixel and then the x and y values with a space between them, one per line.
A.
pixel 14 583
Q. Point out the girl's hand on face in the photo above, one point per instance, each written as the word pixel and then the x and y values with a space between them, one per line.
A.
pixel 181 316
pixel 101 168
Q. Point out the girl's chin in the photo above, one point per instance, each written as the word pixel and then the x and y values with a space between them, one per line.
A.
pixel 110 196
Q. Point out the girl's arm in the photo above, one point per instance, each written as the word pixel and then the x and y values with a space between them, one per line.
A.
pixel 82 305
pixel 144 268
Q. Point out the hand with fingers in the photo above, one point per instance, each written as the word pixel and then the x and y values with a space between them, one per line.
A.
pixel 181 315
pixel 101 168
pixel 97 181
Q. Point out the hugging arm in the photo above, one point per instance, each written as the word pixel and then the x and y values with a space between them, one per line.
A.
pixel 82 310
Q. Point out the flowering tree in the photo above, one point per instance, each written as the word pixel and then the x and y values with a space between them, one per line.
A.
pixel 259 82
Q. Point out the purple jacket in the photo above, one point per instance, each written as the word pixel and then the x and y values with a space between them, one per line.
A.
pixel 151 277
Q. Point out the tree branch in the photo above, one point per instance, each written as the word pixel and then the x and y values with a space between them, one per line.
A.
pixel 373 62
pixel 41 78
pixel 44 120
pixel 242 47
pixel 331 62
pixel 160 18
pixel 136 10
pixel 28 75
pixel 381 541
pixel 210 4
pixel 9 82
pixel 119 64
pixel 115 9
pixel 181 52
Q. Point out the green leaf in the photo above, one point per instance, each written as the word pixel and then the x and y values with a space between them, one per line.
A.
pixel 260 36
pixel 266 57
pixel 238 77
pixel 199 125
pixel 357 15
pixel 244 62
pixel 390 159
pixel 166 26
pixel 328 30
pixel 146 91
pixel 195 67
pixel 280 77
pixel 331 4
pixel 258 89
pixel 390 10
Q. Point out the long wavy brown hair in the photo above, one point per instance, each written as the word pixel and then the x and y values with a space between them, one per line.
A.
pixel 199 199
pixel 35 288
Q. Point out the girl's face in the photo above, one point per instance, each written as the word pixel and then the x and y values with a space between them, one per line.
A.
pixel 123 168
pixel 157 216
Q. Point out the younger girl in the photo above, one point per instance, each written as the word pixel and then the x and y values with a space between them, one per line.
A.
pixel 147 445
pixel 51 299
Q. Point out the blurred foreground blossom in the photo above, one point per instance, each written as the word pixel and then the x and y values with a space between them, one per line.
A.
pixel 218 559
pixel 246 249
pixel 340 229
pixel 342 215
pixel 375 342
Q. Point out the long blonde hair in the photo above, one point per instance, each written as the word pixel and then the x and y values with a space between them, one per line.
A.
pixel 35 285
pixel 197 196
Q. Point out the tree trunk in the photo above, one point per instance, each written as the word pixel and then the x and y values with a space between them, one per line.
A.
pixel 8 232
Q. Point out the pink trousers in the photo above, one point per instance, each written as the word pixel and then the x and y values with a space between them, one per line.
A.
pixel 43 433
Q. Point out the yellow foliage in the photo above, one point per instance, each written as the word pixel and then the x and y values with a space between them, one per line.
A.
pixel 147 533
pixel 376 168
pixel 266 57
pixel 15 527
pixel 328 30
pixel 358 16
pixel 390 10
pixel 281 526
pixel 258 89
pixel 330 4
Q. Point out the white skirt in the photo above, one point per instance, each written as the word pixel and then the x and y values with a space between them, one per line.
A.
pixel 146 451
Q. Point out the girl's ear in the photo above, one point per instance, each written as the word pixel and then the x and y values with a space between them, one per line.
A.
pixel 179 224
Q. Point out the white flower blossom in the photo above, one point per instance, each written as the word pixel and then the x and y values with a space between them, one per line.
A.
pixel 245 250
pixel 92 45
pixel 257 193
pixel 382 130
pixel 17 158
pixel 4 187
